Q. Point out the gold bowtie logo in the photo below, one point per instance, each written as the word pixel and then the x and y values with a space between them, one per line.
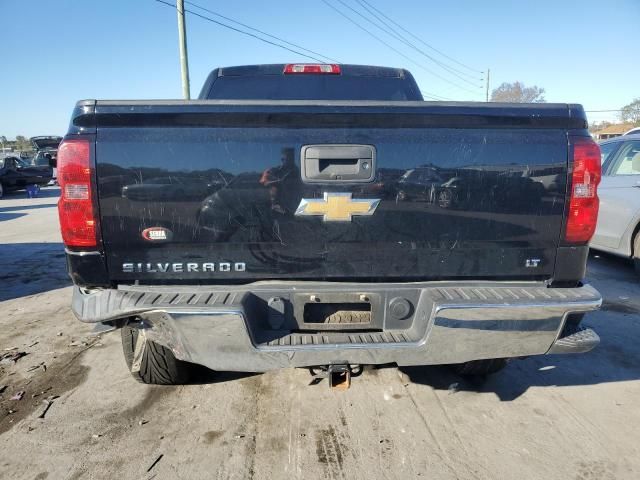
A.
pixel 337 207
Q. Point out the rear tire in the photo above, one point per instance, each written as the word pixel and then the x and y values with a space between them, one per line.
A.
pixel 480 367
pixel 158 365
pixel 636 252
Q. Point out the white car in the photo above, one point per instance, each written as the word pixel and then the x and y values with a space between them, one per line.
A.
pixel 618 229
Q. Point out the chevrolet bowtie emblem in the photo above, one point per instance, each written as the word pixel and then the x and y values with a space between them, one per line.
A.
pixel 337 207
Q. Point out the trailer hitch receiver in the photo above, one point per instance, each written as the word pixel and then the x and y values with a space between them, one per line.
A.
pixel 338 374
pixel 339 377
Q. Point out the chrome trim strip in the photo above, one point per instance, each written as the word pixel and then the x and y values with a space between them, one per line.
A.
pixel 80 254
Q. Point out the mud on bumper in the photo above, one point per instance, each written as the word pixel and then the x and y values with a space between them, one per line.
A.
pixel 233 328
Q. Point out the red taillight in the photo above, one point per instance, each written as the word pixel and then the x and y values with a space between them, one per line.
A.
pixel 75 207
pixel 583 202
pixel 329 69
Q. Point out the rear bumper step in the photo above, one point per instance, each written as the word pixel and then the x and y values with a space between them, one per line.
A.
pixel 579 341
pixel 234 328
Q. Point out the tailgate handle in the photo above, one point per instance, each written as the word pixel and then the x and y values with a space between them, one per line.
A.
pixel 338 163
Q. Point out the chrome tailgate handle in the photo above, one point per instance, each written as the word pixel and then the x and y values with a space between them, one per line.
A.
pixel 338 163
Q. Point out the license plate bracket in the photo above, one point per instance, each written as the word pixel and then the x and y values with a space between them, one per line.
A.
pixel 337 311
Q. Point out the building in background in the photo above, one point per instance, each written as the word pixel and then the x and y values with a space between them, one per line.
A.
pixel 611 131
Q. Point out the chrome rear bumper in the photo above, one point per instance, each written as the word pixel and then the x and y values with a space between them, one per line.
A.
pixel 226 329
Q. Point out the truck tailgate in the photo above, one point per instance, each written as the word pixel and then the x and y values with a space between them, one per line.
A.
pixel 208 191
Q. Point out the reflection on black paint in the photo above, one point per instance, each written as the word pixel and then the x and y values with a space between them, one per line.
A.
pixel 253 202
pixel 172 188
pixel 459 202
pixel 487 188
pixel 284 183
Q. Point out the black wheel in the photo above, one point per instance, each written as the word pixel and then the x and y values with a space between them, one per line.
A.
pixel 636 252
pixel 480 367
pixel 158 365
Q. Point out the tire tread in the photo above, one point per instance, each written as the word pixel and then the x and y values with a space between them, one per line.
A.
pixel 158 365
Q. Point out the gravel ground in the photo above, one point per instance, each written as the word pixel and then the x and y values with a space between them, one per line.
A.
pixel 571 417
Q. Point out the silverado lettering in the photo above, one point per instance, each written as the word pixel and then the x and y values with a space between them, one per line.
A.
pixel 183 267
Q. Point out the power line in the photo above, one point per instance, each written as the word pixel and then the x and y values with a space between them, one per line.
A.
pixel 592 111
pixel 422 41
pixel 368 32
pixel 401 39
pixel 426 94
pixel 260 31
pixel 454 71
pixel 242 31
pixel 433 96
pixel 390 30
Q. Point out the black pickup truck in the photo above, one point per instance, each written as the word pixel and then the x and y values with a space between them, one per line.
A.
pixel 325 216
pixel 18 174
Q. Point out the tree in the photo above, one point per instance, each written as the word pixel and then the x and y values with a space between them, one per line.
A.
pixel 516 92
pixel 595 126
pixel 22 143
pixel 3 141
pixel 631 113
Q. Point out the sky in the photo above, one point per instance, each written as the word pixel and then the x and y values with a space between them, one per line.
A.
pixel 56 52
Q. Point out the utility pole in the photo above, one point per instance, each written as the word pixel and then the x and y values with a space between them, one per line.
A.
pixel 488 75
pixel 184 60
